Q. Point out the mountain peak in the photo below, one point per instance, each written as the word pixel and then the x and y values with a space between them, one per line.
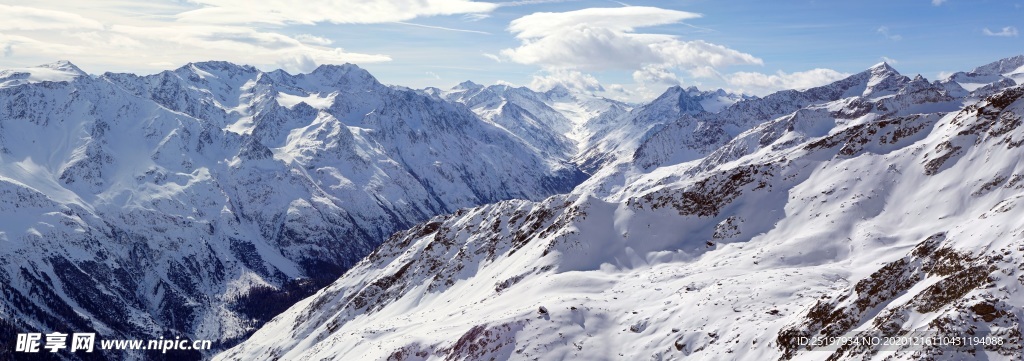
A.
pixel 878 79
pixel 882 71
pixel 53 72
pixel 65 66
pixel 468 84
pixel 680 99
pixel 347 67
pixel 349 73
pixel 883 66
pixel 559 90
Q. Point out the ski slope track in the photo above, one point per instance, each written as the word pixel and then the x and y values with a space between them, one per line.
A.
pixel 879 203
pixel 200 202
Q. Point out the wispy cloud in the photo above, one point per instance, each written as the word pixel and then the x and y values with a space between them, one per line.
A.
pixel 531 2
pixel 884 30
pixel 493 57
pixel 889 60
pixel 313 39
pixel 443 28
pixel 1008 31
pixel 280 12
pixel 28 18
pixel 938 2
pixel 475 17
pixel 235 30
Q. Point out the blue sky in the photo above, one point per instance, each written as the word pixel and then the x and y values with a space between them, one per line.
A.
pixel 629 50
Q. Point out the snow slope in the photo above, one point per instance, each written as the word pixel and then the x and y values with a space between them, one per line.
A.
pixel 886 204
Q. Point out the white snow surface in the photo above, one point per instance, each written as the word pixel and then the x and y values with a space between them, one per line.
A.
pixel 314 100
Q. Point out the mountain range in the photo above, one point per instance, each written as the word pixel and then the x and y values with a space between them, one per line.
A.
pixel 496 222
pixel 878 204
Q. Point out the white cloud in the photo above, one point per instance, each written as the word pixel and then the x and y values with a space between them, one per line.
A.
pixel 623 19
pixel 943 75
pixel 617 88
pixel 281 12
pixel 889 60
pixel 884 30
pixel 298 63
pixel 475 16
pixel 762 84
pixel 493 57
pixel 17 45
pixel 243 44
pixel 313 39
pixel 1009 31
pixel 938 2
pixel 28 18
pixel 605 38
pixel 704 72
pixel 571 79
pixel 655 74
pixel 623 93
pixel 103 37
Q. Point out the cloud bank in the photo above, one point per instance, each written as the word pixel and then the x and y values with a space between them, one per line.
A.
pixel 161 34
pixel 606 39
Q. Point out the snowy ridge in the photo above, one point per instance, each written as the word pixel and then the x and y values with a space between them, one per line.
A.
pixel 991 77
pixel 196 203
pixel 881 204
pixel 61 71
pixel 688 138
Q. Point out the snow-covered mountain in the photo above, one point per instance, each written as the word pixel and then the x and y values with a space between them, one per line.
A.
pixel 691 136
pixel 990 78
pixel 877 204
pixel 591 131
pixel 200 202
pixel 559 121
pixel 614 137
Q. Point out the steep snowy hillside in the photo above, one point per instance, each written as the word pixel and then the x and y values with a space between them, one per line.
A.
pixel 200 202
pixel 867 209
